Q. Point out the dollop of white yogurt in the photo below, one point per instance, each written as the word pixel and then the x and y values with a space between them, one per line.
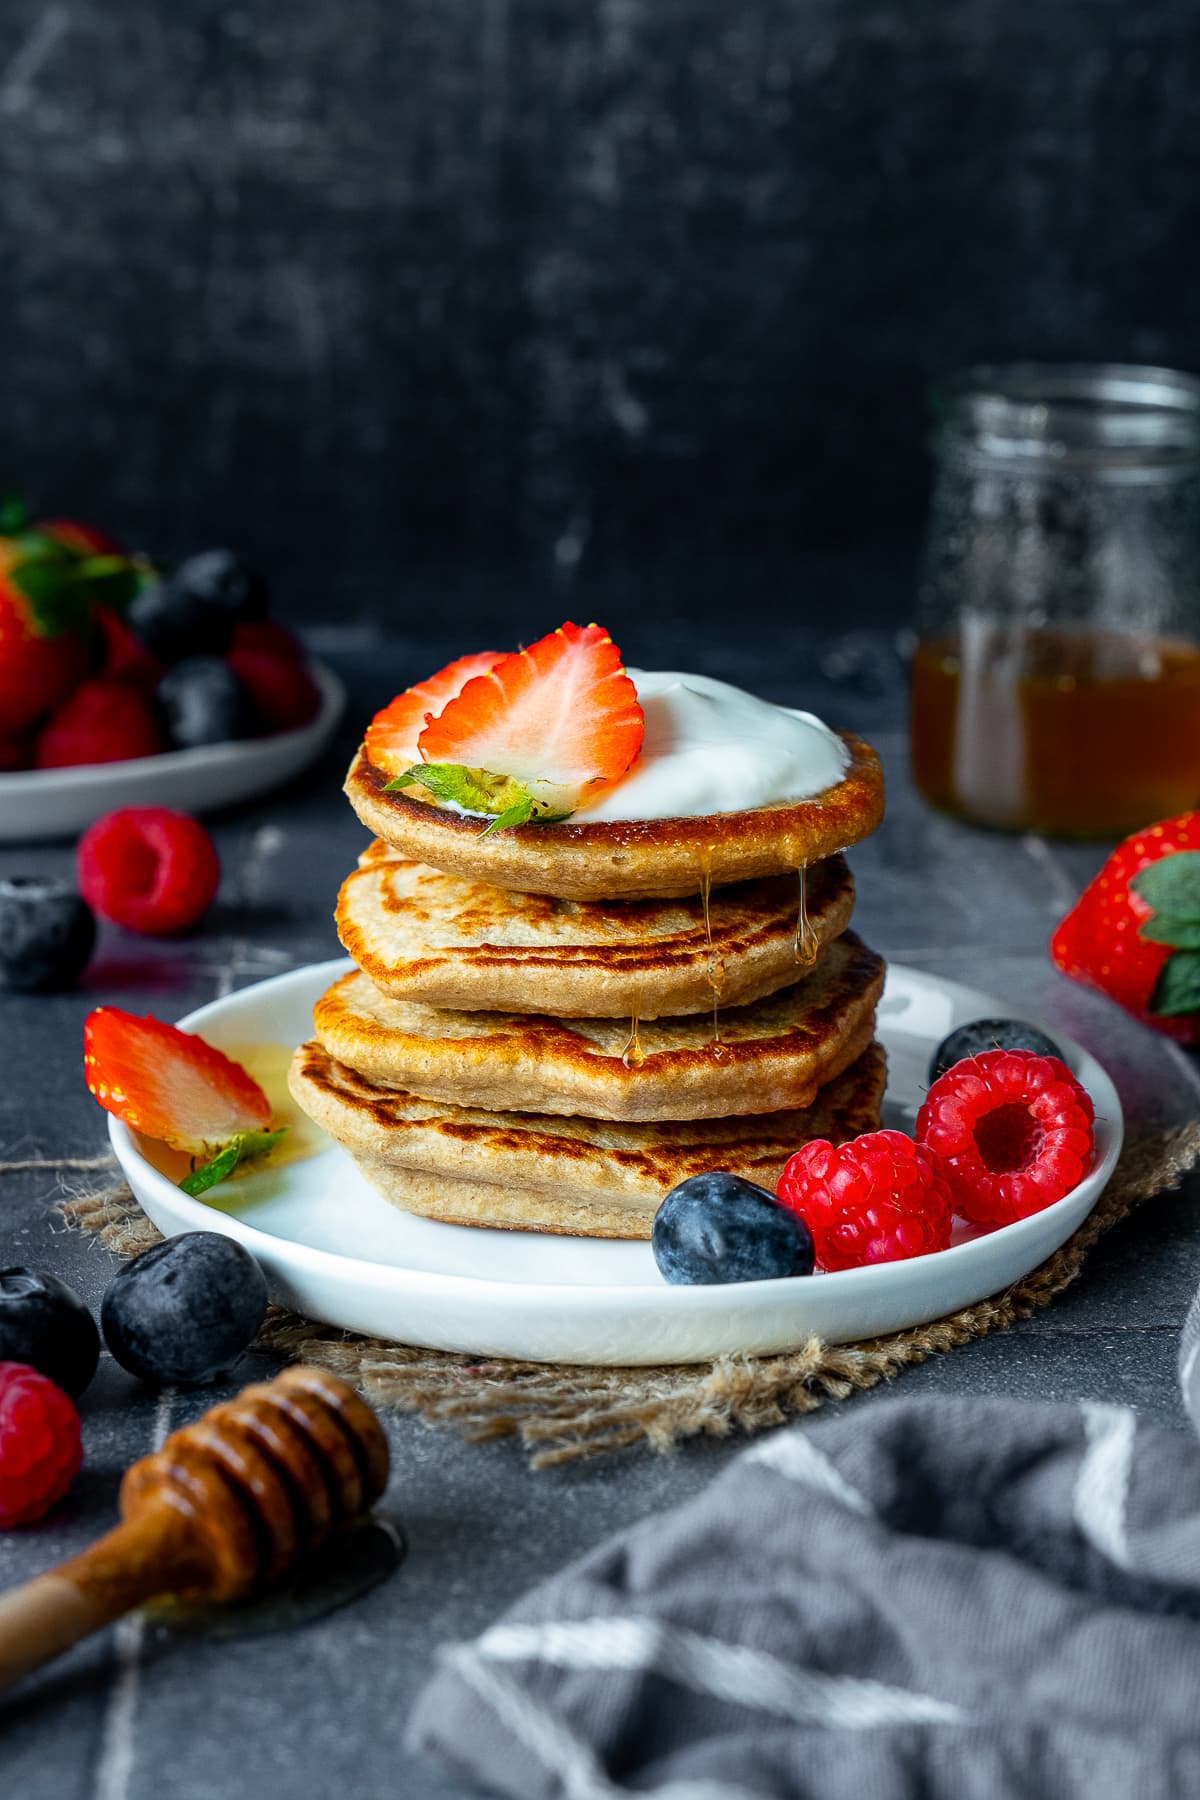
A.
pixel 711 747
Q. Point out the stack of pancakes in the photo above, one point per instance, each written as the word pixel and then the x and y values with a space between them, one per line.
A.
pixel 549 1028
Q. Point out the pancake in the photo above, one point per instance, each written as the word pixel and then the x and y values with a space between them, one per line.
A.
pixel 575 1176
pixel 424 936
pixel 627 859
pixel 772 1054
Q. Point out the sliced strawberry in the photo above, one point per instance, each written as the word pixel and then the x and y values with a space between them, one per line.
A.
pixel 391 740
pixel 1134 932
pixel 169 1084
pixel 538 730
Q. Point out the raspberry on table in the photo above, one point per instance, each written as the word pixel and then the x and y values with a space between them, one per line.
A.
pixel 1013 1132
pixel 878 1198
pixel 148 868
pixel 40 1444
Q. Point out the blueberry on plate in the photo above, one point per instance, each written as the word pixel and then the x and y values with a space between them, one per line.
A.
pixel 204 702
pixel 719 1227
pixel 47 934
pixel 224 582
pixel 44 1323
pixel 185 1309
pixel 989 1034
pixel 171 624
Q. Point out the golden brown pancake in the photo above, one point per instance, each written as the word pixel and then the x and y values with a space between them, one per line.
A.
pixel 421 935
pixel 771 1054
pixel 627 859
pixel 576 1176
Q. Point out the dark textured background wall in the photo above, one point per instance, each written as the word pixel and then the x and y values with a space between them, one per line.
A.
pixel 417 297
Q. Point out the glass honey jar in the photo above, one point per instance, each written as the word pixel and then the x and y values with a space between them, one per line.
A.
pixel 1056 680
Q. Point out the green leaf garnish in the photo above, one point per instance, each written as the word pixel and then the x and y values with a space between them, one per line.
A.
pixel 506 801
pixel 57 601
pixel 1171 885
pixel 1178 987
pixel 246 1147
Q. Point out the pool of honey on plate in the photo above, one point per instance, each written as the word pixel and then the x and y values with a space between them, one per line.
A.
pixel 1079 734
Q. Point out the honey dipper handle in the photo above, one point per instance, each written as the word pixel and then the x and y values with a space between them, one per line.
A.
pixel 153 1553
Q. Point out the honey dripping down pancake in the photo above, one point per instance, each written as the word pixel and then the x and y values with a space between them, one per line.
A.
pixel 577 1176
pixel 424 936
pixel 627 859
pixel 773 1053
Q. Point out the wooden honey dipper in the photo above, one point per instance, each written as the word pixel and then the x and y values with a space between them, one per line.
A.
pixel 228 1505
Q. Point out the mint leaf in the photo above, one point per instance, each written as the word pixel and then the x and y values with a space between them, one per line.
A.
pixel 243 1148
pixel 1167 928
pixel 1171 885
pixel 57 603
pixel 14 515
pixel 1178 987
pixel 507 801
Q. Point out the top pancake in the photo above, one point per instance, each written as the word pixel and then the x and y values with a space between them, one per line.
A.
pixel 424 936
pixel 627 859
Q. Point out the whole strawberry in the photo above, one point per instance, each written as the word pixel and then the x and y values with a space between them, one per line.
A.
pixel 43 649
pixel 1134 932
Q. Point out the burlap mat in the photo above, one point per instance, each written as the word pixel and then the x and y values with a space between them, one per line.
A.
pixel 563 1413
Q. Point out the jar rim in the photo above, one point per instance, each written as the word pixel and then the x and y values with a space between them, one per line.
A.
pixel 1032 408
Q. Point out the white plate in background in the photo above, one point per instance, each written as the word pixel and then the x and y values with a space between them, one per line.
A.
pixel 37 804
pixel 334 1250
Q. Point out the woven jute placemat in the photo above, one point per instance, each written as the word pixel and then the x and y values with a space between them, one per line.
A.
pixel 562 1413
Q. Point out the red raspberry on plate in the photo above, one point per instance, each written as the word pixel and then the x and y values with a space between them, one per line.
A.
pixel 40 1445
pixel 103 721
pixel 148 868
pixel 1012 1131
pixel 269 637
pixel 282 692
pixel 879 1198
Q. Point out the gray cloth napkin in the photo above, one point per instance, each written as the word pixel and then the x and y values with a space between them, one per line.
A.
pixel 943 1599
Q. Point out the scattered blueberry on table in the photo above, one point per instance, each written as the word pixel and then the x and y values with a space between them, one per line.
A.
pixel 47 934
pixel 44 1323
pixel 185 1309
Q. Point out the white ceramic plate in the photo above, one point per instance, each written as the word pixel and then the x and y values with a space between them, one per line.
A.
pixel 334 1250
pixel 54 803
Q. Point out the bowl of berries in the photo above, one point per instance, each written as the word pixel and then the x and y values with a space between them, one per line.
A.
pixel 125 685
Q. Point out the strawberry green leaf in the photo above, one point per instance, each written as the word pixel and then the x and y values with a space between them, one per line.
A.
pixel 506 801
pixel 244 1148
pixel 14 514
pixel 1178 987
pixel 57 602
pixel 1171 885
pixel 110 580
pixel 1168 928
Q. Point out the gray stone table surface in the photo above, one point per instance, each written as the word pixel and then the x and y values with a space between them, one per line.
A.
pixel 134 1714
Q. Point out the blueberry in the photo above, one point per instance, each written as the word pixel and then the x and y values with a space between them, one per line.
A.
pixel 720 1228
pixel 989 1034
pixel 44 1323
pixel 171 624
pixel 224 582
pixel 184 1310
pixel 47 934
pixel 204 702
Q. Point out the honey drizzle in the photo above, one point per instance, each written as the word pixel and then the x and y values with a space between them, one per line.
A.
pixel 716 965
pixel 806 937
pixel 633 1056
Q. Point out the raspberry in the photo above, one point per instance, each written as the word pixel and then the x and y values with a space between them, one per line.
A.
pixel 40 1445
pixel 879 1198
pixel 148 868
pixel 1012 1131
pixel 103 721
pixel 282 692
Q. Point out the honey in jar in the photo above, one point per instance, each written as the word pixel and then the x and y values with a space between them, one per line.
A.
pixel 1056 681
pixel 1069 733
